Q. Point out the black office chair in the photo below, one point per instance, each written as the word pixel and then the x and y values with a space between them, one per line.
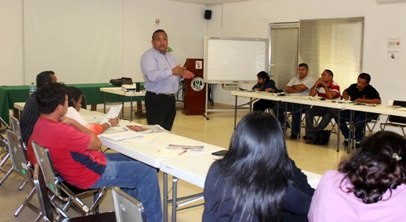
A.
pixel 396 121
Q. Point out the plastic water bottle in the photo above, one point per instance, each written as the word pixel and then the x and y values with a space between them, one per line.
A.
pixel 33 87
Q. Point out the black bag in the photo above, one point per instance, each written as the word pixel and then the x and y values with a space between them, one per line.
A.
pixel 323 137
pixel 121 81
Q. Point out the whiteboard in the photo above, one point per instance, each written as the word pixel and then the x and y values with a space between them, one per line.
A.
pixel 234 59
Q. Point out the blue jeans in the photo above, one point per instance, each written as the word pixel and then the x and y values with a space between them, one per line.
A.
pixel 135 178
pixel 326 115
pixel 359 120
pixel 295 109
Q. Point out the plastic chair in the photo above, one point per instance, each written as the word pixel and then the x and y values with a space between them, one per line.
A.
pixel 49 209
pixel 396 121
pixel 63 191
pixel 22 166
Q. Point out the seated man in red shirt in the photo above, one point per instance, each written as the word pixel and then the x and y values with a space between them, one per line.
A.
pixel 325 88
pixel 76 156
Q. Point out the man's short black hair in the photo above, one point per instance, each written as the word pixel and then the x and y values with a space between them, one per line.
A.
pixel 49 96
pixel 329 72
pixel 44 78
pixel 157 31
pixel 365 76
pixel 304 65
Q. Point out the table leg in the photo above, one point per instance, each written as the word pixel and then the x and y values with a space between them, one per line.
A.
pixel 286 118
pixel 351 134
pixel 16 113
pixel 139 106
pixel 93 107
pixel 165 197
pixel 131 109
pixel 338 131
pixel 104 102
pixel 122 109
pixel 174 197
pixel 235 111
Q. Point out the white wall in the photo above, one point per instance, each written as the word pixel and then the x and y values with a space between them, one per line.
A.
pixel 251 19
pixel 183 22
pixel 11 38
pixel 186 27
pixel 93 40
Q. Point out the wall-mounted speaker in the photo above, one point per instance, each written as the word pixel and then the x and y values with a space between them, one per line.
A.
pixel 207 14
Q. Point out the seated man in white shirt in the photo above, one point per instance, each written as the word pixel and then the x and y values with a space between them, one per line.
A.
pixel 298 85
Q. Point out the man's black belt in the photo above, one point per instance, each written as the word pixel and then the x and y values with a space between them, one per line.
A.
pixel 161 94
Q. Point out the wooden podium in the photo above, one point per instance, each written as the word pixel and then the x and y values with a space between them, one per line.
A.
pixel 194 90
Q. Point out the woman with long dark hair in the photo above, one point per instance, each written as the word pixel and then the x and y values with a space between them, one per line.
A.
pixel 256 180
pixel 370 185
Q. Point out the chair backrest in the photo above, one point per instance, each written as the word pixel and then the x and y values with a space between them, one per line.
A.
pixel 3 142
pixel 398 119
pixel 45 164
pixel 15 125
pixel 4 122
pixel 127 208
pixel 42 194
pixel 17 154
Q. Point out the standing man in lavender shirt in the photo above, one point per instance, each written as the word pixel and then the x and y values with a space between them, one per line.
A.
pixel 161 81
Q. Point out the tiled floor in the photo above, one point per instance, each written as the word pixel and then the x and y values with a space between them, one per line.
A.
pixel 217 130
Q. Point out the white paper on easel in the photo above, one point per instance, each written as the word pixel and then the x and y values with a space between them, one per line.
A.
pixel 113 112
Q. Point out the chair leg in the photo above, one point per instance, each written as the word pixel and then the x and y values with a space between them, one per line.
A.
pixel 21 187
pixel 38 218
pixel 26 203
pixel 3 161
pixel 96 202
pixel 6 176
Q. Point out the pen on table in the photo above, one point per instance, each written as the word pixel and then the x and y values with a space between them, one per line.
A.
pixel 184 151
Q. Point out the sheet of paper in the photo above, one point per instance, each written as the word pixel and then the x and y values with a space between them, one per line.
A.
pixel 121 135
pixel 73 114
pixel 113 112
